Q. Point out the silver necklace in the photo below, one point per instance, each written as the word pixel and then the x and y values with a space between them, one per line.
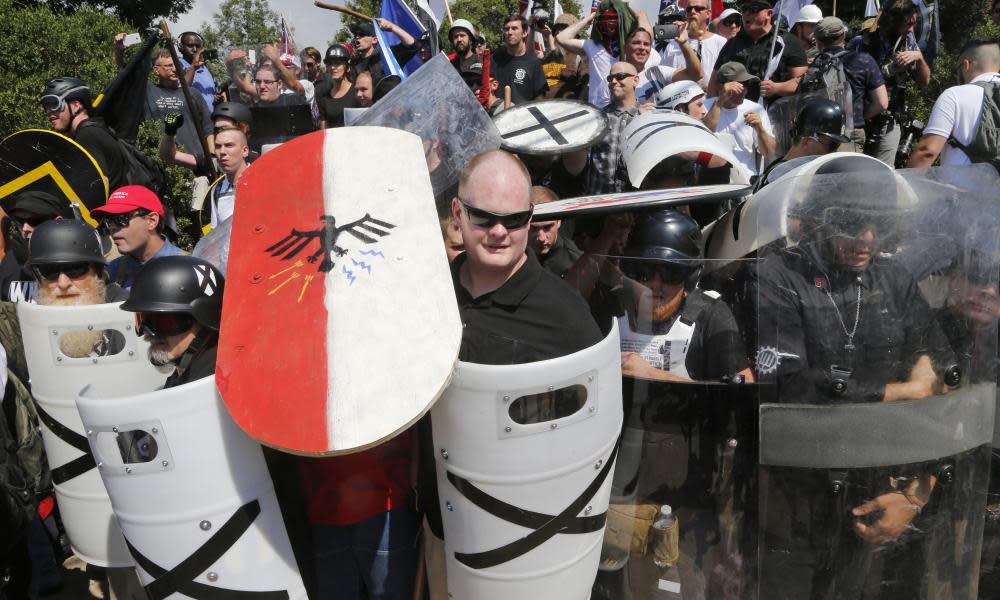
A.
pixel 849 346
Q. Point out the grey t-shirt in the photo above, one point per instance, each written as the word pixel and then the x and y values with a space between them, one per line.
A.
pixel 160 101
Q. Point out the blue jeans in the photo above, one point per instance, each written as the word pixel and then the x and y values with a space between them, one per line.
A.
pixel 378 555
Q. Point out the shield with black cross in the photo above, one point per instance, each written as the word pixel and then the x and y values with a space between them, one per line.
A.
pixel 67 348
pixel 525 457
pixel 550 127
pixel 192 494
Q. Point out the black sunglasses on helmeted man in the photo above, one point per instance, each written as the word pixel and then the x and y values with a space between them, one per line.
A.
pixel 51 272
pixel 487 219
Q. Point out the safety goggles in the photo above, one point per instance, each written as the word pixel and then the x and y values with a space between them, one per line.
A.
pixel 160 325
pixel 486 219
pixel 52 103
pixel 52 272
pixel 122 220
pixel 618 77
pixel 854 223
pixel 643 271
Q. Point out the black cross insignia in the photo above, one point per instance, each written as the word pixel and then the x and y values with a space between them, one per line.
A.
pixel 544 526
pixel 180 579
pixel 547 124
pixel 78 465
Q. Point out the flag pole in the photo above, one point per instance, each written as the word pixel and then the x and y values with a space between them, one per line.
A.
pixel 777 31
pixel 447 10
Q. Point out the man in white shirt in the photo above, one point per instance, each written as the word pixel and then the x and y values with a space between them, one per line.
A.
pixel 958 110
pixel 744 120
pixel 706 45
pixel 599 58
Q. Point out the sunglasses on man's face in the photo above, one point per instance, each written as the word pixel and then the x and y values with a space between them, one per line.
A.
pixel 486 219
pixel 160 325
pixel 33 221
pixel 618 77
pixel 120 221
pixel 71 270
pixel 691 9
pixel 643 271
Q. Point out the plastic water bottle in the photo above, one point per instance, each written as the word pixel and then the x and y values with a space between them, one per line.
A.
pixel 666 538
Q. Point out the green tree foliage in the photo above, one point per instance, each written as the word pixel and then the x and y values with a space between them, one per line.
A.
pixel 242 24
pixel 141 14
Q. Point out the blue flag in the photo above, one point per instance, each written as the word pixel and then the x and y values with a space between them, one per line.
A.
pixel 389 63
pixel 400 14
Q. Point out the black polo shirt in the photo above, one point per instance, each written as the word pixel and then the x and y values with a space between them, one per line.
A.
pixel 533 316
pixel 754 56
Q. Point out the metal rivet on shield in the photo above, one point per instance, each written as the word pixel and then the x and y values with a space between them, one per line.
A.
pixel 90 432
pixel 553 426
pixel 90 327
pixel 592 409
pixel 165 463
pixel 506 398
pixel 128 469
pixel 205 525
pixel 590 378
pixel 93 360
pixel 259 228
pixel 598 464
pixel 444 454
pixel 507 429
pixel 100 465
pixel 58 359
pixel 212 576
pixel 588 510
pixel 54 332
pixel 130 353
pixel 552 387
pixel 128 328
pixel 155 430
pixel 733 443
pixel 449 506
pixel 256 278
pixel 115 429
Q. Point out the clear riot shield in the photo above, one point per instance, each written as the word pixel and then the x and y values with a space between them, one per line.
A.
pixel 688 440
pixel 68 348
pixel 877 370
pixel 435 104
pixel 191 492
pixel 524 456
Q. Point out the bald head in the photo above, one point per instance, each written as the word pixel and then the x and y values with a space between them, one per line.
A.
pixel 623 67
pixel 496 171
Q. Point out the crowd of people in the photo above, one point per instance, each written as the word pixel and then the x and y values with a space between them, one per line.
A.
pixel 530 289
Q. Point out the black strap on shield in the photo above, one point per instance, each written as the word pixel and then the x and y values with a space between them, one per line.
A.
pixel 545 526
pixel 78 465
pixel 180 579
pixel 549 125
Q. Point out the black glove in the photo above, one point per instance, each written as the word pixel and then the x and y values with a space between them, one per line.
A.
pixel 172 122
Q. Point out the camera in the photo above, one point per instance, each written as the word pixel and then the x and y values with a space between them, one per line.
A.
pixel 212 54
pixel 540 18
pixel 665 33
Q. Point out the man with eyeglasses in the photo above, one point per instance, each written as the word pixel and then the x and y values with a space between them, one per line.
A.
pixel 513 311
pixel 28 211
pixel 134 217
pixel 177 301
pixel 67 260
pixel 728 25
pixel 706 45
pixel 605 171
pixel 166 96
pixel 779 75
pixel 312 65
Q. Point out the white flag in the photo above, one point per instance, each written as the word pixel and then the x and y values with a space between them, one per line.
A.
pixel 871 8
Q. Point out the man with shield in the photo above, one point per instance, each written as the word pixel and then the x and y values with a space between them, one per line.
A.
pixel 839 323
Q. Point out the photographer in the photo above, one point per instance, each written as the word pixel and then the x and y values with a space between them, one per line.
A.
pixel 705 44
pixel 193 57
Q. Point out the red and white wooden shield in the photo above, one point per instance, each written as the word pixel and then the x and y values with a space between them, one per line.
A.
pixel 340 326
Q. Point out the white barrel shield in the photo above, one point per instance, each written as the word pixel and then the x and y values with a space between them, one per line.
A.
pixel 191 492
pixel 67 348
pixel 525 455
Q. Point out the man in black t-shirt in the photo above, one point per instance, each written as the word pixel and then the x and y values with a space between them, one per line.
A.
pixel 513 65
pixel 751 47
pixel 367 56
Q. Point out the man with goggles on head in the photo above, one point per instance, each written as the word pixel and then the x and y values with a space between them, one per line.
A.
pixel 177 301
pixel 66 102
pixel 134 218
pixel 513 311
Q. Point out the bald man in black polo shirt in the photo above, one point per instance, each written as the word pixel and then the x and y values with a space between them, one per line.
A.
pixel 512 310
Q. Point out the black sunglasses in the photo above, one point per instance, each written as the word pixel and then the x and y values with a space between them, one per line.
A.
pixel 52 272
pixel 33 221
pixel 486 219
pixel 121 221
pixel 644 270
pixel 691 9
pixel 732 22
pixel 162 324
pixel 618 77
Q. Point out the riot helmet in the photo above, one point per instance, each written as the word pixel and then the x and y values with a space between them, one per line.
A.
pixel 65 241
pixel 467 26
pixel 179 284
pixel 665 236
pixel 336 52
pixel 821 116
pixel 678 94
pixel 234 111
pixel 61 90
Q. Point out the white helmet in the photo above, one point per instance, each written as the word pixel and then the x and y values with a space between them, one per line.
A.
pixel 677 93
pixel 809 13
pixel 462 24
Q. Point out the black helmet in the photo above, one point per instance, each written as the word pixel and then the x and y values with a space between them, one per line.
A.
pixel 179 284
pixel 821 116
pixel 64 89
pixel 65 241
pixel 336 52
pixel 233 110
pixel 666 235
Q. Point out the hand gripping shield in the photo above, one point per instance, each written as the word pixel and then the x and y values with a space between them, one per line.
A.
pixel 525 455
pixel 192 494
pixel 68 348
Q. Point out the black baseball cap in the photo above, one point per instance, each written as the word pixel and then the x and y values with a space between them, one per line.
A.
pixel 755 5
pixel 362 29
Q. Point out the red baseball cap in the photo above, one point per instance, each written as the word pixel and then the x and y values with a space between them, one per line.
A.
pixel 128 198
